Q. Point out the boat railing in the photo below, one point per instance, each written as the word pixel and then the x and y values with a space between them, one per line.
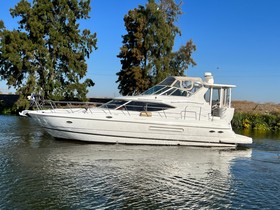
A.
pixel 189 112
pixel 72 106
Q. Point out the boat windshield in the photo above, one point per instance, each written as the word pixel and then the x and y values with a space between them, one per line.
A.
pixel 171 86
pixel 168 81
pixel 135 105
pixel 158 89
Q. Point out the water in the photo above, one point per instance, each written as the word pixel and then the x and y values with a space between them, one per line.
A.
pixel 38 172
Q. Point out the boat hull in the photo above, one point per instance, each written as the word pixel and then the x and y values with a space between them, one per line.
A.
pixel 137 130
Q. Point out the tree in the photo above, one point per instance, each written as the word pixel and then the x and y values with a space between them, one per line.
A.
pixel 134 75
pixel 182 59
pixel 146 55
pixel 47 53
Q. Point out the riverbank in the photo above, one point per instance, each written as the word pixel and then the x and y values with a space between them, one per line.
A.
pixel 7 103
pixel 255 116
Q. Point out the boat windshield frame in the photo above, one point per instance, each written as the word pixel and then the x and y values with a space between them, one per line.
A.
pixel 176 86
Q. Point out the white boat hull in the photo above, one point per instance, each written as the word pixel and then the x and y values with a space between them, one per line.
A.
pixel 137 130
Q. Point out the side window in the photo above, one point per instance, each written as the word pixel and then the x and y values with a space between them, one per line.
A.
pixel 146 106
pixel 113 104
pixel 226 99
pixel 215 96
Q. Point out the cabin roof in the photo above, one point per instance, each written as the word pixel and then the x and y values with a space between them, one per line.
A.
pixel 219 85
pixel 198 79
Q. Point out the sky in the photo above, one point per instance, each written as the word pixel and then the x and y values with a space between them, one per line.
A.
pixel 237 40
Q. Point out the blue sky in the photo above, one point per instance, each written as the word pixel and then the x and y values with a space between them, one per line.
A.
pixel 237 40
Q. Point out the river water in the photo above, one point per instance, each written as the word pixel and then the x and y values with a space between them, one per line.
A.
pixel 39 172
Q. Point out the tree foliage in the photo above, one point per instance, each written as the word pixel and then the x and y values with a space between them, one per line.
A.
pixel 146 54
pixel 181 59
pixel 47 53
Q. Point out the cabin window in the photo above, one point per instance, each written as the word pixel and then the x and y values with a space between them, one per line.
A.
pixel 113 104
pixel 136 106
pixel 226 100
pixel 146 106
pixel 215 95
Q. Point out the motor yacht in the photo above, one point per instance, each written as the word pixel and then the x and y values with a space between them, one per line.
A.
pixel 180 110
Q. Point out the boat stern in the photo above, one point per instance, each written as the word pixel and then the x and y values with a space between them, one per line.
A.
pixel 240 139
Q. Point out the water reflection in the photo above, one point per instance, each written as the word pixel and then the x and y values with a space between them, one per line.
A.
pixel 255 181
pixel 255 134
pixel 38 172
pixel 85 176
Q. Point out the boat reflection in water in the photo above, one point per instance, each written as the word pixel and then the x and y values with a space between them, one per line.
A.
pixel 121 176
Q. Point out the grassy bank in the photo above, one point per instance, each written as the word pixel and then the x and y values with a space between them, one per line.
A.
pixel 257 121
pixel 256 116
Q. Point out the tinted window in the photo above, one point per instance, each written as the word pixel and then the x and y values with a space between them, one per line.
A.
pixel 146 106
pixel 113 104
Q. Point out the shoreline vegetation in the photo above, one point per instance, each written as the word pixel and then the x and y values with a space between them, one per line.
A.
pixel 256 117
pixel 249 116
